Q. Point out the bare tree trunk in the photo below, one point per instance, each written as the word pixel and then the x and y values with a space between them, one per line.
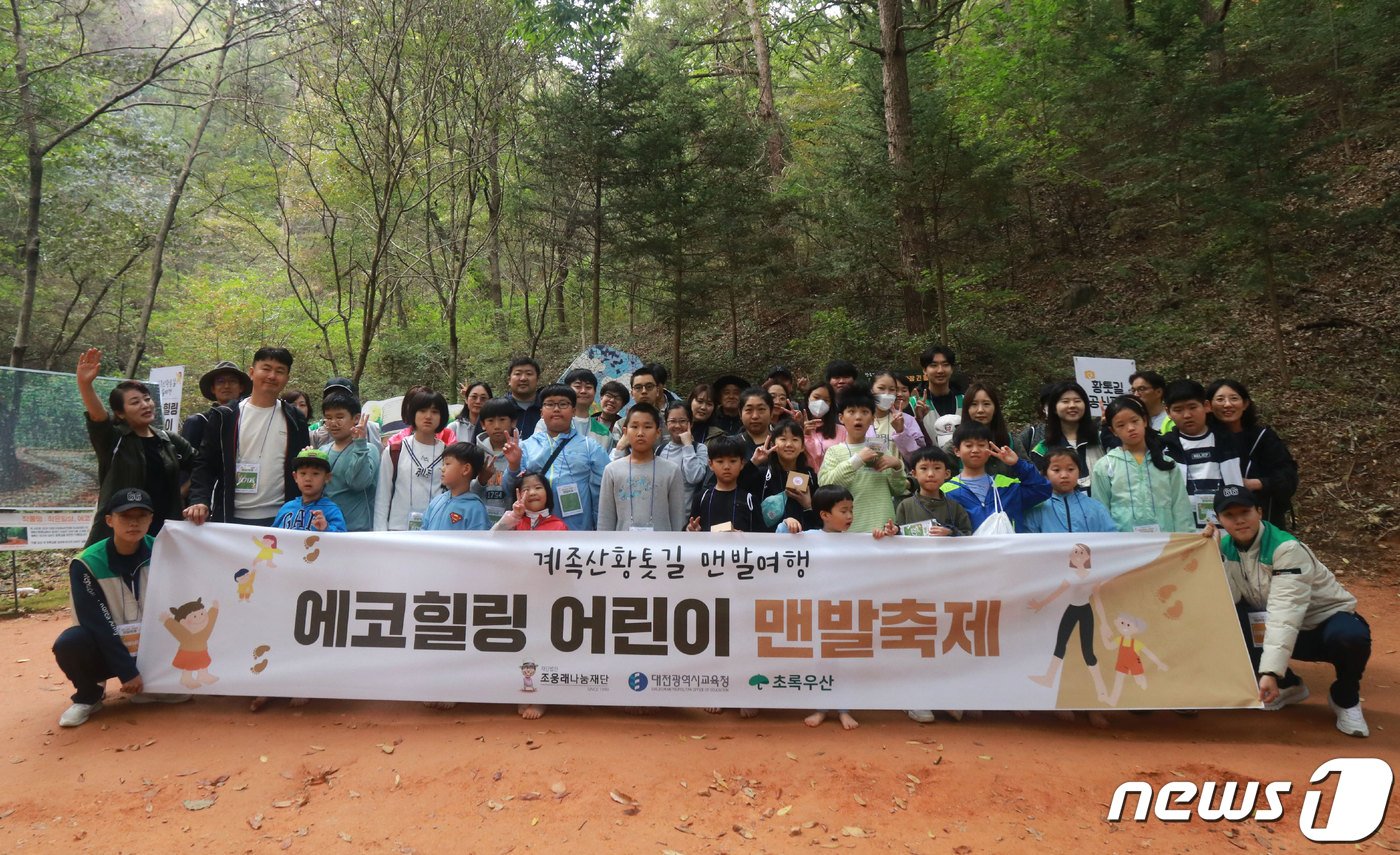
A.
pixel 899 128
pixel 1213 20
pixel 597 249
pixel 493 225
pixel 767 112
pixel 29 119
pixel 167 223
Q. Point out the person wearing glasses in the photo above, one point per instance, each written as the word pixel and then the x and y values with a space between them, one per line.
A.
pixel 573 465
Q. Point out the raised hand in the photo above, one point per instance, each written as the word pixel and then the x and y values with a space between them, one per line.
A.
pixel 761 453
pixel 1005 453
pixel 361 427
pixel 88 366
pixel 318 521
pixel 512 450
pixel 897 419
pixel 693 525
pixel 811 426
pixel 889 529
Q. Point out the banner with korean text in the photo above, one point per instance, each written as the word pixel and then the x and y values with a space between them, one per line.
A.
pixel 1092 621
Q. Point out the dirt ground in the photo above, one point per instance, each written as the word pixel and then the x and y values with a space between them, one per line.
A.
pixel 399 778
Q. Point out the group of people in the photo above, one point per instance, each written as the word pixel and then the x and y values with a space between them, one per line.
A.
pixel 880 452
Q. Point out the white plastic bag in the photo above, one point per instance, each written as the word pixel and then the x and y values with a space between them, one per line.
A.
pixel 998 522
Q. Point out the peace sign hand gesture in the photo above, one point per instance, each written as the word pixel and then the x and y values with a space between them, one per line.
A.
pixel 512 450
pixel 1005 453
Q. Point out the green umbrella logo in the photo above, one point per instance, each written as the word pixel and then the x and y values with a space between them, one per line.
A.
pixel 758 680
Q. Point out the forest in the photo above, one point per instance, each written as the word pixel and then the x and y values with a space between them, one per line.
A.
pixel 412 191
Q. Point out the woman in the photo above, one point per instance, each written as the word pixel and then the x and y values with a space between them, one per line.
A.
pixel 1268 468
pixel 701 404
pixel 131 450
pixel 1070 426
pixel 300 400
pixel 982 403
pixel 475 393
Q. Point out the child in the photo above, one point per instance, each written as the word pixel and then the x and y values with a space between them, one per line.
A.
pixel 534 507
pixel 1142 488
pixel 457 508
pixel 354 461
pixel 786 481
pixel 931 512
pixel 891 425
pixel 1203 446
pixel 642 492
pixel 611 399
pixel 821 427
pixel 497 421
pixel 312 511
pixel 1307 614
pixel 574 465
pixel 726 506
pixel 1068 510
pixel 835 506
pixel 681 449
pixel 864 465
pixel 409 468
pixel 979 491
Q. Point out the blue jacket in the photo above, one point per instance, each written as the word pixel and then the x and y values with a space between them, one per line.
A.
pixel 580 464
pixel 1017 494
pixel 354 477
pixel 464 512
pixel 1072 513
pixel 296 514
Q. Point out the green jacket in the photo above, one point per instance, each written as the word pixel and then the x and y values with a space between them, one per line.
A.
pixel 121 465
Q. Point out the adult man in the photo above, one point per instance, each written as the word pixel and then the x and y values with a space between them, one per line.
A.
pixel 1306 614
pixel 647 388
pixel 223 384
pixel 108 583
pixel 241 475
pixel 1149 387
pixel 573 465
pixel 523 380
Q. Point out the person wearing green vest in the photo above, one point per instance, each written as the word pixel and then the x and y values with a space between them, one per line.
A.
pixel 1291 607
pixel 108 585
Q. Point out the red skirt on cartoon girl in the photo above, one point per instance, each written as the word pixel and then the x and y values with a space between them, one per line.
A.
pixel 192 660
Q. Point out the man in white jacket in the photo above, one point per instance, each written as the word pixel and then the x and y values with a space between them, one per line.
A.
pixel 1279 585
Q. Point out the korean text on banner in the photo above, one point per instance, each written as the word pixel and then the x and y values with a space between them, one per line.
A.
pixel 1103 379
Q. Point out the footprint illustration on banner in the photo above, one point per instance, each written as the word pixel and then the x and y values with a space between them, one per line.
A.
pixel 258 653
pixel 1165 592
pixel 1192 565
pixel 312 554
pixel 1175 611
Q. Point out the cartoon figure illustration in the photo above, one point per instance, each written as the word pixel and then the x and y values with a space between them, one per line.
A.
pixel 1130 653
pixel 245 579
pixel 191 624
pixel 527 672
pixel 267 550
pixel 1078 612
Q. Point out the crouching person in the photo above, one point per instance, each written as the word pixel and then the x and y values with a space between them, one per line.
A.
pixel 1306 614
pixel 108 582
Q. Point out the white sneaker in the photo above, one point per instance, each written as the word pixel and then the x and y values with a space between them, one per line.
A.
pixel 79 713
pixel 921 716
pixel 1349 719
pixel 1292 695
pixel 158 698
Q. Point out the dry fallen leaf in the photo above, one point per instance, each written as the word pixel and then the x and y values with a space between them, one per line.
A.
pixel 792 757
pixel 198 804
pixel 622 798
pixel 784 810
pixel 343 836
pixel 743 832
pixel 860 801
pixel 984 756
pixel 913 778
pixel 255 821
pixel 386 748
pixel 853 831
pixel 494 805
pixel 559 790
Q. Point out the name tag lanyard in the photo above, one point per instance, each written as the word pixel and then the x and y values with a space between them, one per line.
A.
pixel 267 432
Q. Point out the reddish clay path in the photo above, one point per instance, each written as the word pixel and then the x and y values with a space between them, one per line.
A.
pixel 408 779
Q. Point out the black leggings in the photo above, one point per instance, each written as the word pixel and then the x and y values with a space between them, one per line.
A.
pixel 1084 616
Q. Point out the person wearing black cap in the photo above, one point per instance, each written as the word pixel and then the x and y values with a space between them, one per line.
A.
pixel 108 583
pixel 223 384
pixel 1281 587
pixel 340 388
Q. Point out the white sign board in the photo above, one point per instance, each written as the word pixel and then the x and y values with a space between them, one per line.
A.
pixel 171 381
pixel 1103 379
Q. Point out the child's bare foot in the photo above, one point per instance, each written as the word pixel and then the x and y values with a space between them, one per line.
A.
pixel 530 711
pixel 298 702
pixel 815 719
pixel 257 704
pixel 1064 715
pixel 955 715
pixel 1021 713
pixel 848 721
pixel 439 705
pixel 714 710
pixel 748 712
pixel 1098 719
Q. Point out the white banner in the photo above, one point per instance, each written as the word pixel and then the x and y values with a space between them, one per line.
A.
pixel 720 619
pixel 1103 379
pixel 171 381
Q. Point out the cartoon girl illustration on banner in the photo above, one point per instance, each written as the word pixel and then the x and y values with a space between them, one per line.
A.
pixel 1078 612
pixel 1130 652
pixel 267 550
pixel 192 624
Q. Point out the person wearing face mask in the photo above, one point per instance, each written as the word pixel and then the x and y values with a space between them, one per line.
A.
pixel 132 450
pixel 820 430
pixel 892 426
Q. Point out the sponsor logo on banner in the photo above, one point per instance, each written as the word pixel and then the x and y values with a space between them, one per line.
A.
pixel 1358 807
